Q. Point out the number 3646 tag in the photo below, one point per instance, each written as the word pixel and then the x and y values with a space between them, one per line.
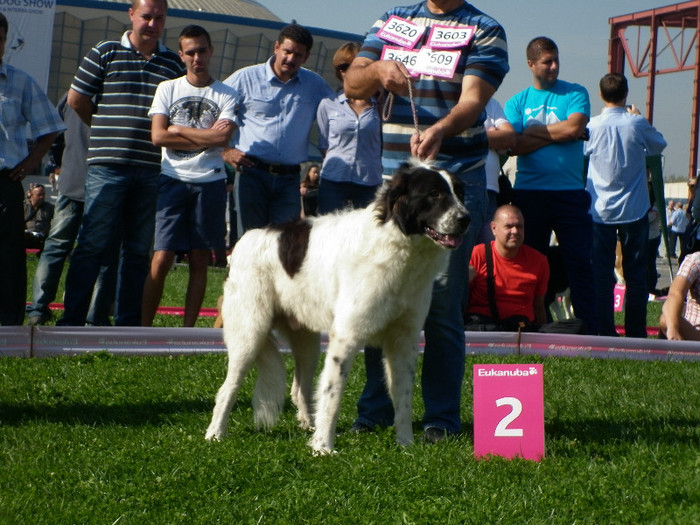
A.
pixel 509 411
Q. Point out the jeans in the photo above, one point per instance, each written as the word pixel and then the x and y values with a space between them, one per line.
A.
pixel 120 205
pixel 263 198
pixel 634 238
pixel 443 359
pixel 567 214
pixel 13 258
pixel 334 195
pixel 64 230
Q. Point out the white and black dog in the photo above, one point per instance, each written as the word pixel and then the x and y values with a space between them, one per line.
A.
pixel 364 276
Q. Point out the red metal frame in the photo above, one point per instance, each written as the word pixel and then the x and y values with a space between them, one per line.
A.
pixel 680 27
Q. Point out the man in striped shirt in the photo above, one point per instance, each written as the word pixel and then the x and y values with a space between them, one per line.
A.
pixel 123 164
pixel 455 57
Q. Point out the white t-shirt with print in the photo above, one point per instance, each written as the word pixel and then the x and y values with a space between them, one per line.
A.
pixel 194 107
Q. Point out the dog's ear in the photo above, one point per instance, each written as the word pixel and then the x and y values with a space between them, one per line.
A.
pixel 396 197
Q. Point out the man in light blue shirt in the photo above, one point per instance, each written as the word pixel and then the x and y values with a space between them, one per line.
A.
pixel 278 102
pixel 620 140
pixel 25 109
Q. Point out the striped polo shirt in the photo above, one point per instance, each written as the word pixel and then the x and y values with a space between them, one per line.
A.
pixel 123 83
pixel 486 56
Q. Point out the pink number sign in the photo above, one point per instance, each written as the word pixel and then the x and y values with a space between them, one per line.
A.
pixel 509 411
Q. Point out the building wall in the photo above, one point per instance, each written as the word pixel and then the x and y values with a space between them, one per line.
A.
pixel 237 41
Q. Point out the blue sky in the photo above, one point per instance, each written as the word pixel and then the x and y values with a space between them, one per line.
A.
pixel 581 29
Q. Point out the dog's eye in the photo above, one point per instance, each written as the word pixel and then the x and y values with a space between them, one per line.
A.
pixel 435 194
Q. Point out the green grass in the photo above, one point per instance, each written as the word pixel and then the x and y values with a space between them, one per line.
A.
pixel 173 292
pixel 103 439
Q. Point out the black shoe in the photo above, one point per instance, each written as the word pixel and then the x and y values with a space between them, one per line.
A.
pixel 360 428
pixel 433 435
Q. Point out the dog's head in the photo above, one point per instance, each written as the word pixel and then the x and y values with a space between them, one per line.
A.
pixel 424 201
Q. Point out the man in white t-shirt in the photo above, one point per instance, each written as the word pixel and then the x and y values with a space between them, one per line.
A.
pixel 192 120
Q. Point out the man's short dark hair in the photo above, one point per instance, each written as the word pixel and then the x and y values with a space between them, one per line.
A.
pixel 135 4
pixel 539 45
pixel 613 87
pixel 3 24
pixel 297 34
pixel 193 31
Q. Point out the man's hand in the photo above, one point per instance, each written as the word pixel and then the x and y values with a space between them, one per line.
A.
pixel 426 145
pixel 237 158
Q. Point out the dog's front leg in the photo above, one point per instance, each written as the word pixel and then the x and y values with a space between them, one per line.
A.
pixel 329 391
pixel 400 358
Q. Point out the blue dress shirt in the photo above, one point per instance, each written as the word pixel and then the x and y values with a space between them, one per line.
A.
pixel 275 117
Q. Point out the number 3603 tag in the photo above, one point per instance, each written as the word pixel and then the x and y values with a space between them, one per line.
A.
pixel 509 411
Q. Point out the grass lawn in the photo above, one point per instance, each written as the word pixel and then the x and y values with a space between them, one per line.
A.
pixel 103 439
pixel 120 440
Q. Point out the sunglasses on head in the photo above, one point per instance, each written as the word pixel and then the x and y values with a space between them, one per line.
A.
pixel 342 67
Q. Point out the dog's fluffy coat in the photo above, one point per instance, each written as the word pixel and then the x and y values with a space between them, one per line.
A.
pixel 364 276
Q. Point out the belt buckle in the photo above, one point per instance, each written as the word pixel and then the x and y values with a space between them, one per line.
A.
pixel 274 169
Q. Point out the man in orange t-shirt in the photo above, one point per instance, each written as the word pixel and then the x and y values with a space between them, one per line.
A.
pixel 520 273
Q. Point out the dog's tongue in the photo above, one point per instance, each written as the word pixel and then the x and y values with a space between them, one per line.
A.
pixel 449 241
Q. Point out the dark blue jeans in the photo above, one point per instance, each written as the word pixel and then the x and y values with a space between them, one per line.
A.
pixel 334 195
pixel 634 239
pixel 58 246
pixel 567 214
pixel 443 359
pixel 120 207
pixel 263 198
pixel 13 259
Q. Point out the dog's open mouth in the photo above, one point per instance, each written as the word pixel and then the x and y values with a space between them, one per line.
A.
pixel 450 241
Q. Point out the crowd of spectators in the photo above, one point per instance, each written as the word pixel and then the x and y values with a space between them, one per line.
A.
pixel 162 170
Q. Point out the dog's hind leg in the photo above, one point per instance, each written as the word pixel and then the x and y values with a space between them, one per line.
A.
pixel 305 347
pixel 400 357
pixel 329 391
pixel 270 388
pixel 239 363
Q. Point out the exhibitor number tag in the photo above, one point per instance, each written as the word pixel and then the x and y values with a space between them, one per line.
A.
pixel 402 32
pixel 447 37
pixel 408 57
pixel 438 63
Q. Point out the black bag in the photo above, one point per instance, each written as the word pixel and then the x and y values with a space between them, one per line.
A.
pixel 505 190
pixel 481 323
pixel 565 326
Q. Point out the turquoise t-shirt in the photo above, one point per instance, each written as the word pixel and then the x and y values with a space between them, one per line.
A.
pixel 556 166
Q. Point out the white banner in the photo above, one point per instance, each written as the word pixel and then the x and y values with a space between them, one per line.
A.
pixel 30 36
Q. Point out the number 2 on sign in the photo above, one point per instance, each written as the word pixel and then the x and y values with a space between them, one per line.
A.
pixel 502 429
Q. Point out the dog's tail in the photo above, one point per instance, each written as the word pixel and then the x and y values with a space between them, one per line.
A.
pixel 271 386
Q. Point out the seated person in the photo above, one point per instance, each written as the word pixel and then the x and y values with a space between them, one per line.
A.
pixel 675 324
pixel 520 276
pixel 37 217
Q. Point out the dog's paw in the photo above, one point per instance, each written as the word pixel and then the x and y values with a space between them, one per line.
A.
pixel 214 435
pixel 320 447
pixel 323 452
pixel 405 441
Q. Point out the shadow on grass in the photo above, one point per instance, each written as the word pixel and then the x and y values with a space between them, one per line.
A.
pixel 129 414
pixel 601 431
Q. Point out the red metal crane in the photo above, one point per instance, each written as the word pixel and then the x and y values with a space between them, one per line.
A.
pixel 672 35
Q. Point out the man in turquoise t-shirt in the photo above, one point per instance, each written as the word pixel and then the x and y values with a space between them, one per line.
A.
pixel 550 120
